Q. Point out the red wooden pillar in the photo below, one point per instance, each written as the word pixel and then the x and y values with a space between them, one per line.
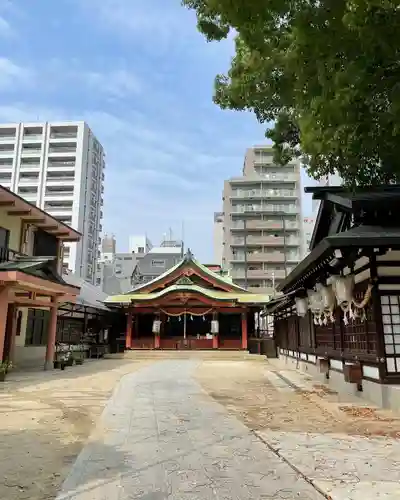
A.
pixel 128 335
pixel 215 335
pixel 244 330
pixel 3 319
pixel 51 337
pixel 157 334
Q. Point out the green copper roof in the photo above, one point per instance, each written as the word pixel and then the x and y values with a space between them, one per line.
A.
pixel 241 297
pixel 189 258
pixel 41 267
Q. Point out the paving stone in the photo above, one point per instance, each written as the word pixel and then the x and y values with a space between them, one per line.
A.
pixel 344 467
pixel 161 437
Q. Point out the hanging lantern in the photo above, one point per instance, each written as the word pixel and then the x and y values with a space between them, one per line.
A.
pixel 328 301
pixel 343 287
pixel 316 307
pixel 301 306
pixel 156 326
pixel 204 318
pixel 191 317
pixel 214 326
pixel 180 319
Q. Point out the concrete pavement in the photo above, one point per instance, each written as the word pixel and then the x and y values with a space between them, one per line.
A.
pixel 162 437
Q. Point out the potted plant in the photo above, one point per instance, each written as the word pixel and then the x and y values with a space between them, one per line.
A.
pixel 4 367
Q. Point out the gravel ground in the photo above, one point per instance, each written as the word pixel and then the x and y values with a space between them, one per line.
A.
pixel 45 419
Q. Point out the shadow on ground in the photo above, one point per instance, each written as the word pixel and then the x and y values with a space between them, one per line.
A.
pixel 38 474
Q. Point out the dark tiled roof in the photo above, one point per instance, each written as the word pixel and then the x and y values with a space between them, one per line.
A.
pixel 41 267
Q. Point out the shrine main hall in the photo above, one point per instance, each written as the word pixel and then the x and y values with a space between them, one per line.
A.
pixel 189 307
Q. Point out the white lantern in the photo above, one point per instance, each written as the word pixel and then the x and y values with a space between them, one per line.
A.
pixel 343 287
pixel 327 296
pixel 301 306
pixel 316 306
pixel 156 326
pixel 214 326
pixel 315 301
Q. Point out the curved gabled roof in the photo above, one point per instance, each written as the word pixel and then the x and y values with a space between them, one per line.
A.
pixel 242 297
pixel 189 259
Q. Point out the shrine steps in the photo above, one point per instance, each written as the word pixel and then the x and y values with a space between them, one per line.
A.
pixel 193 354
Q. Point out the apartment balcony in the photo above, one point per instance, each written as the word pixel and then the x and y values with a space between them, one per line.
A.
pixel 32 138
pixel 8 139
pixel 264 178
pixel 59 196
pixel 60 180
pixel 61 136
pixel 238 225
pixel 58 211
pixel 28 181
pixel 265 257
pixel 266 241
pixel 251 273
pixel 31 153
pixel 279 210
pixel 68 150
pixel 7 152
pixel 29 167
pixel 261 194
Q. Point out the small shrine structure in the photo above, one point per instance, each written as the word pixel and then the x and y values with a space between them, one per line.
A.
pixel 189 307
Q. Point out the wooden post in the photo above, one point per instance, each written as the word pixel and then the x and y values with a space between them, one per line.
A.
pixel 3 319
pixel 128 335
pixel 215 335
pixel 157 334
pixel 51 336
pixel 244 330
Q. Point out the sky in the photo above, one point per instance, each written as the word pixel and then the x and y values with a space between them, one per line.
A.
pixel 139 73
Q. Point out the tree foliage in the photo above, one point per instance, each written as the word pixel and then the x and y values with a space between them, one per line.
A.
pixel 325 72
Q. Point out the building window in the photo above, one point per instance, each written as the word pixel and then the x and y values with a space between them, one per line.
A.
pixel 158 263
pixel 37 327
pixel 140 249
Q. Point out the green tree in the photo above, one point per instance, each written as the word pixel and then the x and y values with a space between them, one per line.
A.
pixel 326 73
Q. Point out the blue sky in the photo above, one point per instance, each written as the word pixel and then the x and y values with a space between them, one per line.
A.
pixel 142 77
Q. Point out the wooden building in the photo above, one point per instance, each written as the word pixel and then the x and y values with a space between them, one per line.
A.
pixel 339 310
pixel 189 307
pixel 31 285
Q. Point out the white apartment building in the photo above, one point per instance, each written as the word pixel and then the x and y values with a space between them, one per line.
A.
pixel 218 237
pixel 262 233
pixel 139 244
pixel 59 166
pixel 308 229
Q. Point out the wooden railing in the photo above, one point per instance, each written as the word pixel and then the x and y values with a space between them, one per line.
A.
pixel 8 255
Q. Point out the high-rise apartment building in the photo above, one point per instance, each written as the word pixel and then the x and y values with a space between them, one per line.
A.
pixel 218 237
pixel 262 221
pixel 59 166
pixel 308 229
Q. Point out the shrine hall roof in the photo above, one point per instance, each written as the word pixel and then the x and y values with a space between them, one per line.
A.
pixel 240 297
pixel 189 258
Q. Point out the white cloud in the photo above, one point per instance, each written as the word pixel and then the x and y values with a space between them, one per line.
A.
pixel 13 75
pixel 114 83
pixel 5 28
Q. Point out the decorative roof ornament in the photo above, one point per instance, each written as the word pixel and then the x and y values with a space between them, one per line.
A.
pixel 188 255
pixel 184 280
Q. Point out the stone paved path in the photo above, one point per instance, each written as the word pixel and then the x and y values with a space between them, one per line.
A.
pixel 161 437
